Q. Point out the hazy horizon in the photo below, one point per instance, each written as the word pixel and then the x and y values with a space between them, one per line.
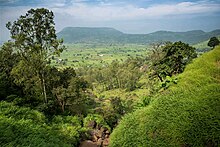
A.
pixel 127 16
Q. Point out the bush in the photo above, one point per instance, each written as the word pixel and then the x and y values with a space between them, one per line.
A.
pixel 21 126
pixel 9 110
pixel 97 118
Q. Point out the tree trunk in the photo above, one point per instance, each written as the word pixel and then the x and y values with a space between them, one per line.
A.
pixel 63 107
pixel 44 89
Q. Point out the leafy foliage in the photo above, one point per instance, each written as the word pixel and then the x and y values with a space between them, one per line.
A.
pixel 34 38
pixel 113 110
pixel 40 85
pixel 174 58
pixel 213 42
pixel 21 126
pixel 8 60
pixel 115 75
pixel 97 118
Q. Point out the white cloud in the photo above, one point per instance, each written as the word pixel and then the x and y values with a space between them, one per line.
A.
pixel 129 12
pixel 8 1
pixel 126 17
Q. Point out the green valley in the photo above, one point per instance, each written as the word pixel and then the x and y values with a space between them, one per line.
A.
pixel 99 87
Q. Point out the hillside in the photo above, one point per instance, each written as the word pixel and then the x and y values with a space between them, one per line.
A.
pixel 111 35
pixel 187 114
pixel 203 46
pixel 89 35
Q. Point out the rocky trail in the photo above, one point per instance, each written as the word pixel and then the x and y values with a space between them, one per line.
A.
pixel 98 136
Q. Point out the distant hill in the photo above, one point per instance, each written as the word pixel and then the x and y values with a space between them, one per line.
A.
pixel 84 34
pixel 111 35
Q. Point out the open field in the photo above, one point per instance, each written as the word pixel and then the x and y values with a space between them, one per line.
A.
pixel 78 55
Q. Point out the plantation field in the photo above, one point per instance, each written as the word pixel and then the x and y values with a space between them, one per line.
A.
pixel 98 55
pixel 78 55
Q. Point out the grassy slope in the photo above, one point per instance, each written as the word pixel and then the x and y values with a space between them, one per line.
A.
pixel 187 114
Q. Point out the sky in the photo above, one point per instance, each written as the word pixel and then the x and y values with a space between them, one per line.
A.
pixel 128 16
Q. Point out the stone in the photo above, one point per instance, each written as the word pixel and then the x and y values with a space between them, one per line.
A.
pixel 105 142
pixel 99 134
pixel 99 142
pixel 107 132
pixel 94 138
pixel 103 135
pixel 104 129
pixel 88 143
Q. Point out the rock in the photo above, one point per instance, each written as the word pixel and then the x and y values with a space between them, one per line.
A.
pixel 104 129
pixel 105 142
pixel 107 132
pixel 99 142
pixel 103 135
pixel 94 138
pixel 99 134
pixel 88 143
pixel 106 136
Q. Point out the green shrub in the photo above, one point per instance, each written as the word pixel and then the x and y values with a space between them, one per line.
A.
pixel 143 102
pixel 8 109
pixel 186 114
pixel 21 126
pixel 72 120
pixel 97 118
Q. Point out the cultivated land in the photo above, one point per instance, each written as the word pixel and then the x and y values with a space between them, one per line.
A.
pixel 79 55
pixel 99 54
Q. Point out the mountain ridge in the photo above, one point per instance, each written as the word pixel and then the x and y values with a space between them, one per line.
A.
pixel 111 35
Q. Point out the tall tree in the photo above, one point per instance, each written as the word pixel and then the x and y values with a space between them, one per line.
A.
pixel 35 40
pixel 8 59
pixel 213 42
pixel 175 57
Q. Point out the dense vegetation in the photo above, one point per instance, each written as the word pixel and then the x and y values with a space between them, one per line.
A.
pixel 56 95
pixel 22 126
pixel 187 114
pixel 213 42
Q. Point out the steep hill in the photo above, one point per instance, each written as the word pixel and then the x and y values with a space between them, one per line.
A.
pixel 111 35
pixel 187 114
